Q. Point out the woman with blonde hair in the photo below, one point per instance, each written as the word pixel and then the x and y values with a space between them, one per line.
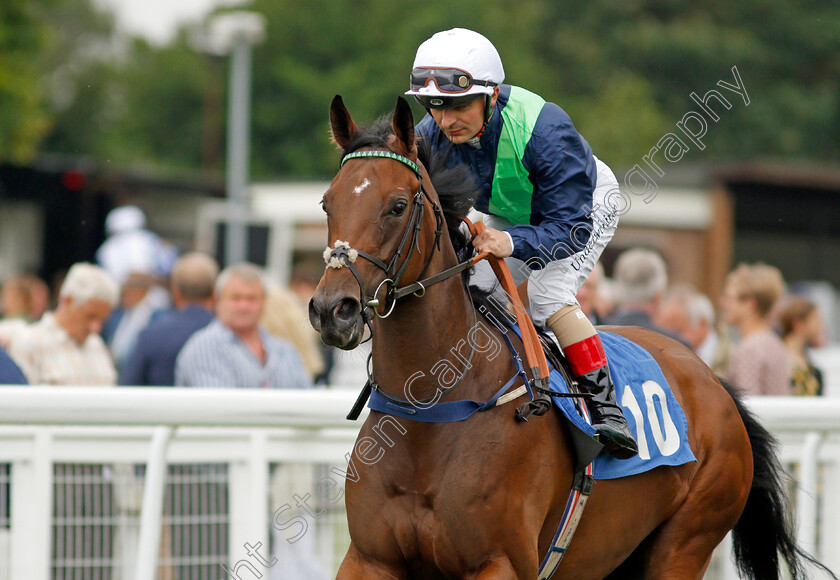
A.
pixel 759 363
pixel 285 318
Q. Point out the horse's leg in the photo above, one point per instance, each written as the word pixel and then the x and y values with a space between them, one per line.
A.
pixel 356 567
pixel 682 546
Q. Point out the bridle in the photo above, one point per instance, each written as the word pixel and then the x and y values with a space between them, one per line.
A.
pixel 342 254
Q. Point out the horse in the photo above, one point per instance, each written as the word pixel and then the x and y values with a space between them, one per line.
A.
pixel 481 498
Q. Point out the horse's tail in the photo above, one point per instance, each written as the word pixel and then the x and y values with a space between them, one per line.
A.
pixel 765 530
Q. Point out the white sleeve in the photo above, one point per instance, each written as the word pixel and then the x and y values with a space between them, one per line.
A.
pixel 510 239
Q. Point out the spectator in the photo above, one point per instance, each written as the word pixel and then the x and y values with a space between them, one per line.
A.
pixel 234 350
pixel 23 299
pixel 130 248
pixel 688 313
pixel 39 296
pixel 64 347
pixel 16 298
pixel 141 301
pixel 152 361
pixel 285 318
pixel 803 328
pixel 640 278
pixel 10 373
pixel 759 364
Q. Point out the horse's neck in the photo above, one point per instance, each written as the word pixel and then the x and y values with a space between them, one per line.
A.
pixel 423 338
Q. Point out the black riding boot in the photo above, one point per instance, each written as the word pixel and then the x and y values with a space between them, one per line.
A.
pixel 613 431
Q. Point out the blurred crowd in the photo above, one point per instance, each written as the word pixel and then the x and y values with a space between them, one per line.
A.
pixel 145 316
pixel 758 337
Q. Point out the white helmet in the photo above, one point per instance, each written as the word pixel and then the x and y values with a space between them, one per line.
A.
pixel 453 67
pixel 126 218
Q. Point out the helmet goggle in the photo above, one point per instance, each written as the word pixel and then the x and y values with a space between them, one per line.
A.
pixel 447 80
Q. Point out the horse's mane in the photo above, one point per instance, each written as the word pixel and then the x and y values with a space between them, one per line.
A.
pixel 455 186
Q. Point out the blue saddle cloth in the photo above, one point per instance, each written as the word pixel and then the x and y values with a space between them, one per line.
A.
pixel 650 407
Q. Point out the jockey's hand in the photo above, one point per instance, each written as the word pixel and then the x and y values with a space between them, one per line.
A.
pixel 493 241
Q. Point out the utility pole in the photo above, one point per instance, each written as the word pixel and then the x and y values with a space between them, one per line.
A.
pixel 234 34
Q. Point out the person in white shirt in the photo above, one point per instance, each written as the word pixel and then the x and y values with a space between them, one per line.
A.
pixel 64 347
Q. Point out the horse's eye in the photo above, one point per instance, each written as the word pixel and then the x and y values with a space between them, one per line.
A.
pixel 399 208
pixel 324 206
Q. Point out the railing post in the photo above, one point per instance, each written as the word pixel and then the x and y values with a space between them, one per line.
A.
pixel 249 517
pixel 32 508
pixel 806 496
pixel 151 514
pixel 830 515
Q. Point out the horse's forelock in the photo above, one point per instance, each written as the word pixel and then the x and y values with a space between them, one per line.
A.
pixel 376 135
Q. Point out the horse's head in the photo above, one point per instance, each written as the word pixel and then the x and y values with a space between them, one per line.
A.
pixel 382 220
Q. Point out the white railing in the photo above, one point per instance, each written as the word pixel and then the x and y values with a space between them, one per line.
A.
pixel 262 438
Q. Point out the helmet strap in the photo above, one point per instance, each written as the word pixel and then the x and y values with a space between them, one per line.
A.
pixel 488 113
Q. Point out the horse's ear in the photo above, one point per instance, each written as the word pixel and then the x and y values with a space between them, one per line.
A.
pixel 343 127
pixel 404 128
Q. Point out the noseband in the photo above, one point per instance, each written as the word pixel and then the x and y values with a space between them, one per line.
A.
pixel 342 254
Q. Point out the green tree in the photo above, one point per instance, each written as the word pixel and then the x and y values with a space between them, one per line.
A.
pixel 623 70
pixel 164 92
pixel 23 113
pixel 362 50
pixel 785 53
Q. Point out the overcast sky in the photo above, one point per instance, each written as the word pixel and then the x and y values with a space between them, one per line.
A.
pixel 158 19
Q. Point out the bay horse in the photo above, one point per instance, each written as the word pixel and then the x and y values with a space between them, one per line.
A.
pixel 482 498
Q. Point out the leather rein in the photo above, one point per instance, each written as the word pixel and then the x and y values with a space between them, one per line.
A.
pixel 343 255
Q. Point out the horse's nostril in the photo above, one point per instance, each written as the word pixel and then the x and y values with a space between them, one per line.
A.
pixel 314 315
pixel 347 310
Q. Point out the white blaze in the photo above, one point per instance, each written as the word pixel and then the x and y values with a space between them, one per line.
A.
pixel 362 186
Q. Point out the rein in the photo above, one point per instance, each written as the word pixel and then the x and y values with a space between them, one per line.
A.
pixel 342 254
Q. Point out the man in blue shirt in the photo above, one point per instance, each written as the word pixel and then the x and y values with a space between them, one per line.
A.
pixel 10 373
pixel 550 206
pixel 234 350
pixel 152 361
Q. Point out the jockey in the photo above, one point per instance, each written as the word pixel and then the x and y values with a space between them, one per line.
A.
pixel 550 206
